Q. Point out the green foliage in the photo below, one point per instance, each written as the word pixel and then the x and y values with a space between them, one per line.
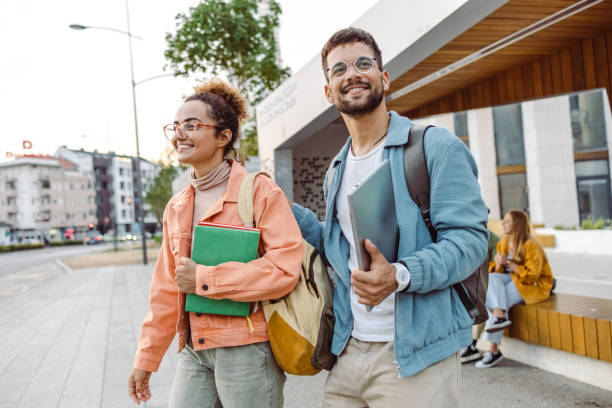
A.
pixel 234 37
pixel 564 228
pixel 20 247
pixel 158 239
pixel 591 224
pixel 161 191
pixel 66 242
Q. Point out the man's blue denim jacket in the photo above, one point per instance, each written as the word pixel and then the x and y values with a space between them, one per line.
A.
pixel 431 323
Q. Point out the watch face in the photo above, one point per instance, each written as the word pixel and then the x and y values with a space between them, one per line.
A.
pixel 402 276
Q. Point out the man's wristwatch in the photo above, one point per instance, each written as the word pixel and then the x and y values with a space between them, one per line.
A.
pixel 402 276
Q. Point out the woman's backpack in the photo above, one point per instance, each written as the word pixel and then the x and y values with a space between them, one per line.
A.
pixel 300 324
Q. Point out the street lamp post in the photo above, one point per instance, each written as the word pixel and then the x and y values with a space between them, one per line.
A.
pixel 139 197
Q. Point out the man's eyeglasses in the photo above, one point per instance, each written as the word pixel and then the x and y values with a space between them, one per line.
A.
pixel 173 130
pixel 362 64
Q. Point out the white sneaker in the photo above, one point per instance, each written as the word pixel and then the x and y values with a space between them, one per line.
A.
pixel 489 359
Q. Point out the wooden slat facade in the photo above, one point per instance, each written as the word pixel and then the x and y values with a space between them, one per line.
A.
pixel 574 324
pixel 586 65
pixel 571 55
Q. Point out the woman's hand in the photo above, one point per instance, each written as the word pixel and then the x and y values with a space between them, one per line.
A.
pixel 500 260
pixel 186 275
pixel 138 385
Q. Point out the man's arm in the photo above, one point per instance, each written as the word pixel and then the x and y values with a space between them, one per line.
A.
pixel 458 214
pixel 311 228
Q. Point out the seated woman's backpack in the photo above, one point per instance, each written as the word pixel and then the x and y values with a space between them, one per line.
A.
pixel 300 324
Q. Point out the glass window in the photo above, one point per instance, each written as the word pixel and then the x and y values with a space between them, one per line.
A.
pixel 513 192
pixel 45 184
pixel 594 198
pixel 588 121
pixel 508 128
pixel 592 168
pixel 460 119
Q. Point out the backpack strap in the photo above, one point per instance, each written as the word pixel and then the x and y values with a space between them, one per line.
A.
pixel 245 211
pixel 417 177
pixel 245 198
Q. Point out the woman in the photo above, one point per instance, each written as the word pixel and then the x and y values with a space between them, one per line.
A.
pixel 224 360
pixel 522 274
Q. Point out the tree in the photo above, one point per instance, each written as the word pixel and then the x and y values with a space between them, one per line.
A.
pixel 234 37
pixel 161 190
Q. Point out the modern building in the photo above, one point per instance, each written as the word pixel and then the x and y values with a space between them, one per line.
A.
pixel 527 85
pixel 115 179
pixel 45 197
pixel 5 233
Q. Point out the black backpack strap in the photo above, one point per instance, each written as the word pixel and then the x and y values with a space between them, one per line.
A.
pixel 417 176
pixel 417 179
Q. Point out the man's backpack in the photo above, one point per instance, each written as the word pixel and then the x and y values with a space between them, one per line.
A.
pixel 472 290
pixel 300 324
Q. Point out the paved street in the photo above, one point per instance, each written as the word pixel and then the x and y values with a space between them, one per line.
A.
pixel 70 340
pixel 18 261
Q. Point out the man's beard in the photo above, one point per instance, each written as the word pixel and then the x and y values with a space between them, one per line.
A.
pixel 361 108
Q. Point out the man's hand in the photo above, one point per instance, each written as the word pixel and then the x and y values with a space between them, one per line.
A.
pixel 373 286
pixel 138 385
pixel 186 275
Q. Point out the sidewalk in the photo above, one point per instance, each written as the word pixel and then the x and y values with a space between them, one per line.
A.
pixel 70 341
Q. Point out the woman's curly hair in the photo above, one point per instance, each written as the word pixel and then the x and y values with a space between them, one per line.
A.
pixel 226 106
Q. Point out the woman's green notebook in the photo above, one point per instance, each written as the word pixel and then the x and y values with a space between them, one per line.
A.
pixel 214 244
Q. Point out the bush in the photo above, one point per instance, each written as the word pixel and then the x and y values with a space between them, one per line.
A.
pixel 590 224
pixel 158 239
pixel 564 228
pixel 67 242
pixel 20 247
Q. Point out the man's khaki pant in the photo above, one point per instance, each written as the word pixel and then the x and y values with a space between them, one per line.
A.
pixel 365 376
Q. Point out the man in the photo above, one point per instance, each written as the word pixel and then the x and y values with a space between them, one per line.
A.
pixel 404 351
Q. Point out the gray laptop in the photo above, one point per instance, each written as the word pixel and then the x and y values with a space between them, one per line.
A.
pixel 372 212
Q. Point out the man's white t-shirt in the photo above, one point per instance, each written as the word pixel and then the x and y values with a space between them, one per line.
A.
pixel 378 324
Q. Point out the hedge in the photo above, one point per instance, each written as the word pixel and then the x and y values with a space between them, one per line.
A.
pixel 67 242
pixel 20 247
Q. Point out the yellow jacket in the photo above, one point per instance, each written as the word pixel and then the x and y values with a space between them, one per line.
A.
pixel 534 279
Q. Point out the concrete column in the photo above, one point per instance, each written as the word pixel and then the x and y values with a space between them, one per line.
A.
pixel 482 146
pixel 445 120
pixel 608 118
pixel 283 171
pixel 549 155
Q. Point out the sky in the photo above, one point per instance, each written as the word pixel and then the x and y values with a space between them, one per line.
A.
pixel 60 86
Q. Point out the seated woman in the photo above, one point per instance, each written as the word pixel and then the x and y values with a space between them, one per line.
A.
pixel 521 274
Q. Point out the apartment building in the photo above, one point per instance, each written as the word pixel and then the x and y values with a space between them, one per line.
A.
pixel 117 197
pixel 45 196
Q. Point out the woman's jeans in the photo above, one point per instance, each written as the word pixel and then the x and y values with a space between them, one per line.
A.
pixel 230 377
pixel 502 294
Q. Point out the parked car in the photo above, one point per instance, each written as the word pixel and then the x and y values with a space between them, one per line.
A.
pixel 92 239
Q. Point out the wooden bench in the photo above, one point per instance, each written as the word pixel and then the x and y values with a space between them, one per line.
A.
pixel 575 324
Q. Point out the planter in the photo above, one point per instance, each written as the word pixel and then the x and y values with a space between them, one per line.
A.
pixel 583 241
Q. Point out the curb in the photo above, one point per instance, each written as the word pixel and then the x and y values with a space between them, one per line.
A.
pixel 63 266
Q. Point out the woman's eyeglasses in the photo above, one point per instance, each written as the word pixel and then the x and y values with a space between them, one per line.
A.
pixel 173 130
pixel 362 64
